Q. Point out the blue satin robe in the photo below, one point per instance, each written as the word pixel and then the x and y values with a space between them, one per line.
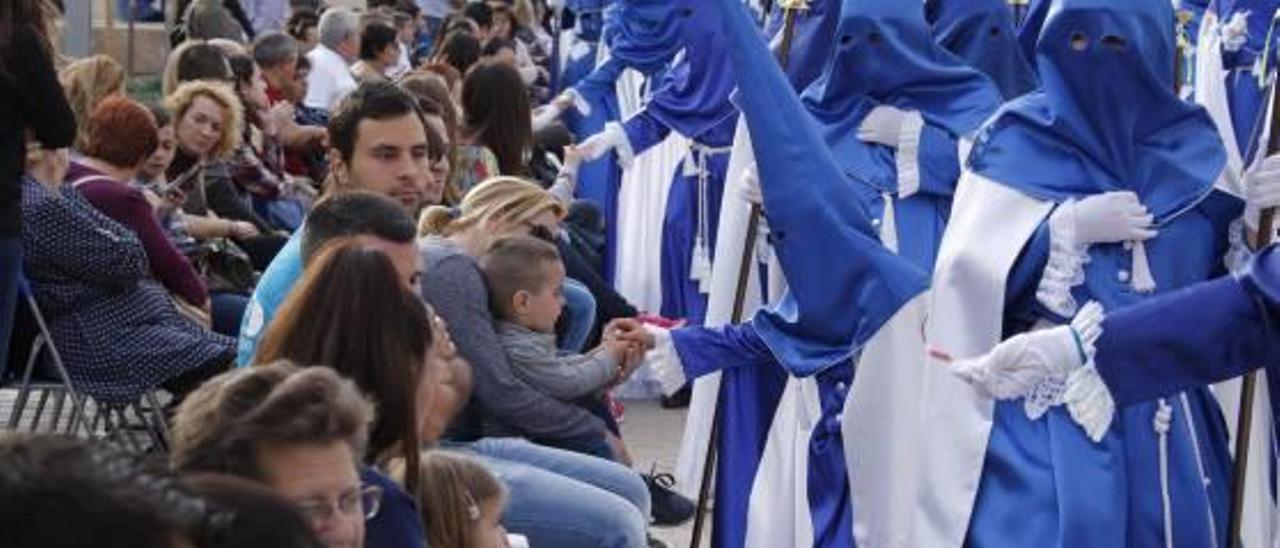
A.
pixel 1045 484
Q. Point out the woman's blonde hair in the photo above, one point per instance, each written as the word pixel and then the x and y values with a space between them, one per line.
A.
pixel 450 493
pixel 504 200
pixel 233 113
pixel 524 13
pixel 86 82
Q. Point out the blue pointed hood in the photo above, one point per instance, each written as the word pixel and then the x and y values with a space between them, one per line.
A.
pixel 693 96
pixel 884 54
pixel 1030 30
pixel 811 41
pixel 1106 117
pixel 843 283
pixel 981 32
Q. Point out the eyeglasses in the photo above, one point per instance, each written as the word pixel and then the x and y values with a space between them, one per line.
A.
pixel 365 500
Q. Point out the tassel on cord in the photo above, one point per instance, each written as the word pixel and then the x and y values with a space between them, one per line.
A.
pixel 700 266
pixel 888 224
pixel 1161 422
pixel 1142 281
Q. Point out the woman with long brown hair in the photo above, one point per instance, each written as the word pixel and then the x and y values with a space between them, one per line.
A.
pixel 352 311
pixel 31 105
pixel 496 122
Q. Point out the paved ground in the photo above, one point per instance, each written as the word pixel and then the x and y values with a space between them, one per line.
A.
pixel 653 437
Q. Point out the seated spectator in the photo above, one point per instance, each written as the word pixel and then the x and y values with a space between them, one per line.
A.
pixel 122 136
pixel 462 503
pixel 423 88
pixel 194 60
pixel 331 59
pixel 503 405
pixel 379 50
pixel 460 50
pixel 298 431
pixel 356 311
pixel 257 165
pixel 525 17
pixel 504 31
pixel 208 19
pixel 207 120
pixel 406 26
pixel 115 326
pixel 303 26
pixel 60 492
pixel 374 218
pixel 496 126
pixel 525 276
pixel 277 57
pixel 86 83
pixel 245 514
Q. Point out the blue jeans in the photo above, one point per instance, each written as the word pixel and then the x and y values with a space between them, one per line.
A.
pixel 580 309
pixel 227 309
pixel 564 499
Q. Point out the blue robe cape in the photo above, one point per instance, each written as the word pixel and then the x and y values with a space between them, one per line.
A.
pixel 1246 99
pixel 886 56
pixel 1106 119
pixel 981 32
pixel 807 201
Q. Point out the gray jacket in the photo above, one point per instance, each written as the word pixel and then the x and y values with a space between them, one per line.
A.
pixel 536 360
pixel 501 403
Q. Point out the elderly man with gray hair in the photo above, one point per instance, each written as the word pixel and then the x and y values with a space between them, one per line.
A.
pixel 330 79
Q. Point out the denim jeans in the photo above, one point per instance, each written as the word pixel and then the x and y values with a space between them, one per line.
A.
pixel 564 499
pixel 580 312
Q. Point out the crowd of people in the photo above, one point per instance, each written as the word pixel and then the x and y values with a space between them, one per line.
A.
pixel 940 258
pixel 339 243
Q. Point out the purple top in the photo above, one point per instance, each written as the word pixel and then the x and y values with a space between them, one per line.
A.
pixel 127 206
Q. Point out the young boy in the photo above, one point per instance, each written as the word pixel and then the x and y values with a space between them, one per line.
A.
pixel 525 277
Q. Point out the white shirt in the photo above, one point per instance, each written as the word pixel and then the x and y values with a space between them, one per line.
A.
pixel 402 66
pixel 330 79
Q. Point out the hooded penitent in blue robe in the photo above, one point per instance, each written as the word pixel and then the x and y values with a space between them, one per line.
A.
pixel 1106 119
pixel 981 32
pixel 905 69
pixel 827 245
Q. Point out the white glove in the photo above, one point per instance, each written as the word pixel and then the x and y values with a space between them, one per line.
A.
pixel 750 188
pixel 1110 217
pixel 1025 363
pixel 571 98
pixel 882 125
pixel 596 146
pixel 1235 32
pixel 1262 184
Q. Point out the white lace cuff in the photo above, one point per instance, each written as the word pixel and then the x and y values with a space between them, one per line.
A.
pixel 907 156
pixel 668 370
pixel 1089 401
pixel 1065 267
pixel 622 145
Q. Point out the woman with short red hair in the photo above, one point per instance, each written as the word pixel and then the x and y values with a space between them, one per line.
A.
pixel 121 136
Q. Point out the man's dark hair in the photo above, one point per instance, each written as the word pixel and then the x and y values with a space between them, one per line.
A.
pixel 460 50
pixel 369 101
pixel 272 49
pixel 203 62
pixel 355 213
pixel 374 38
pixel 58 492
pixel 481 13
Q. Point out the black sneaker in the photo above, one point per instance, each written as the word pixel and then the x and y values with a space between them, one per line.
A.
pixel 670 509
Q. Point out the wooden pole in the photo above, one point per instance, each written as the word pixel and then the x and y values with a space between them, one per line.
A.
pixel 739 303
pixel 1244 417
